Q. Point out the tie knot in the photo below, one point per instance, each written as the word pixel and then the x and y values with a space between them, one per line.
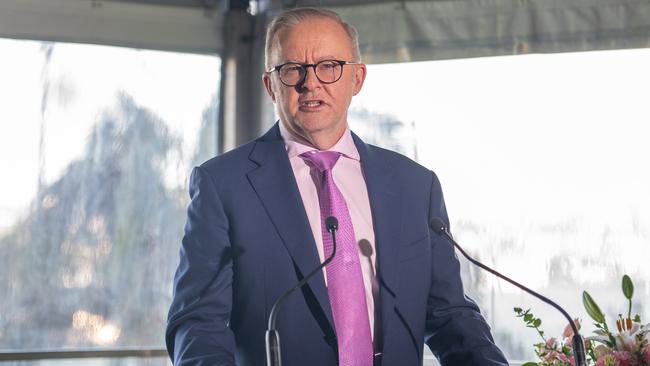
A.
pixel 322 160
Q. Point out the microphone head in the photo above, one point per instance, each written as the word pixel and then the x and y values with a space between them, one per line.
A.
pixel 438 225
pixel 366 248
pixel 331 224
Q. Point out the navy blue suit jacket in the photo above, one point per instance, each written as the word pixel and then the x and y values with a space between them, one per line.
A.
pixel 247 240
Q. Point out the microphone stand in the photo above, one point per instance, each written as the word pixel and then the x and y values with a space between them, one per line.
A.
pixel 578 342
pixel 273 356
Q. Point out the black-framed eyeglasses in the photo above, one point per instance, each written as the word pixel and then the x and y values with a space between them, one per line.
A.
pixel 327 71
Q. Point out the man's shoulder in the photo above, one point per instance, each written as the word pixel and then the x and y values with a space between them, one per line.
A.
pixel 395 159
pixel 240 159
pixel 402 169
pixel 228 170
pixel 232 160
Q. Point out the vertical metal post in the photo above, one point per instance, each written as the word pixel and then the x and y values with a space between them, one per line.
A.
pixel 243 108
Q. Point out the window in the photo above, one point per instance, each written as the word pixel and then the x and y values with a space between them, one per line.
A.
pixel 543 160
pixel 96 145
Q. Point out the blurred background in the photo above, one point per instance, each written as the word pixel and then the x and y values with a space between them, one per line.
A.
pixel 533 114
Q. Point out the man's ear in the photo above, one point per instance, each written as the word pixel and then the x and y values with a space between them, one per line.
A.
pixel 266 79
pixel 359 77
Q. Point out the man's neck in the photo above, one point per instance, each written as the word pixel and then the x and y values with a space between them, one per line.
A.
pixel 322 140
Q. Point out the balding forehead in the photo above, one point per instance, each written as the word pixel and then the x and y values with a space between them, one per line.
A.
pixel 279 45
pixel 296 17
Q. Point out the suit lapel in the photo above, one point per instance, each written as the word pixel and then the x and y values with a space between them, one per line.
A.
pixel 386 210
pixel 276 187
pixel 386 207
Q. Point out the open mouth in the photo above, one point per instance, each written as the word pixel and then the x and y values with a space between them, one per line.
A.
pixel 311 104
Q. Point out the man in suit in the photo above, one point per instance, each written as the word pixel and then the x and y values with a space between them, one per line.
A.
pixel 255 227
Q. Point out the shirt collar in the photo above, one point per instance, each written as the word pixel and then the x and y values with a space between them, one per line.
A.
pixel 296 145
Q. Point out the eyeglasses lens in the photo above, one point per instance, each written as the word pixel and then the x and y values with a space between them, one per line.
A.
pixel 326 71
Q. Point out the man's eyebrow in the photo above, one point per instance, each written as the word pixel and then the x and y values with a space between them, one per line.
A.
pixel 328 57
pixel 289 61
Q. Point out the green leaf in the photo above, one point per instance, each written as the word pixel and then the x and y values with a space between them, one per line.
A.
pixel 628 287
pixel 528 317
pixel 518 310
pixel 592 308
pixel 637 318
pixel 537 323
pixel 530 364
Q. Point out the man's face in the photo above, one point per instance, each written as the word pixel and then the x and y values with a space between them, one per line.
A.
pixel 313 110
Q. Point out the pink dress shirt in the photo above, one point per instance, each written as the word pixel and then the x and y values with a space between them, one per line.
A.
pixel 350 181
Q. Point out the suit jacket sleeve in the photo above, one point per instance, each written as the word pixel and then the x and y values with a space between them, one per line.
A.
pixel 455 329
pixel 197 327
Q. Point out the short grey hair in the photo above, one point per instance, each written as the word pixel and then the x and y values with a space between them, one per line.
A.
pixel 291 18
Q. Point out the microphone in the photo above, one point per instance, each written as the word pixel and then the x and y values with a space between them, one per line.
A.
pixel 273 356
pixel 578 343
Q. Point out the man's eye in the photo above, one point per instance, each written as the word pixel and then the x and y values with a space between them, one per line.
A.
pixel 291 68
pixel 328 65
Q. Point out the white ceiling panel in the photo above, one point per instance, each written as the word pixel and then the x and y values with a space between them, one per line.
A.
pixel 139 25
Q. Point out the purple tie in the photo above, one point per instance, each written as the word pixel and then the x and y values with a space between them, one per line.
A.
pixel 344 278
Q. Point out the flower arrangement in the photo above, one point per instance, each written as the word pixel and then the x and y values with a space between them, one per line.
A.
pixel 627 345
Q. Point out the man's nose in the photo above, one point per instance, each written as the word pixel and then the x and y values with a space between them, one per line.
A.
pixel 310 82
